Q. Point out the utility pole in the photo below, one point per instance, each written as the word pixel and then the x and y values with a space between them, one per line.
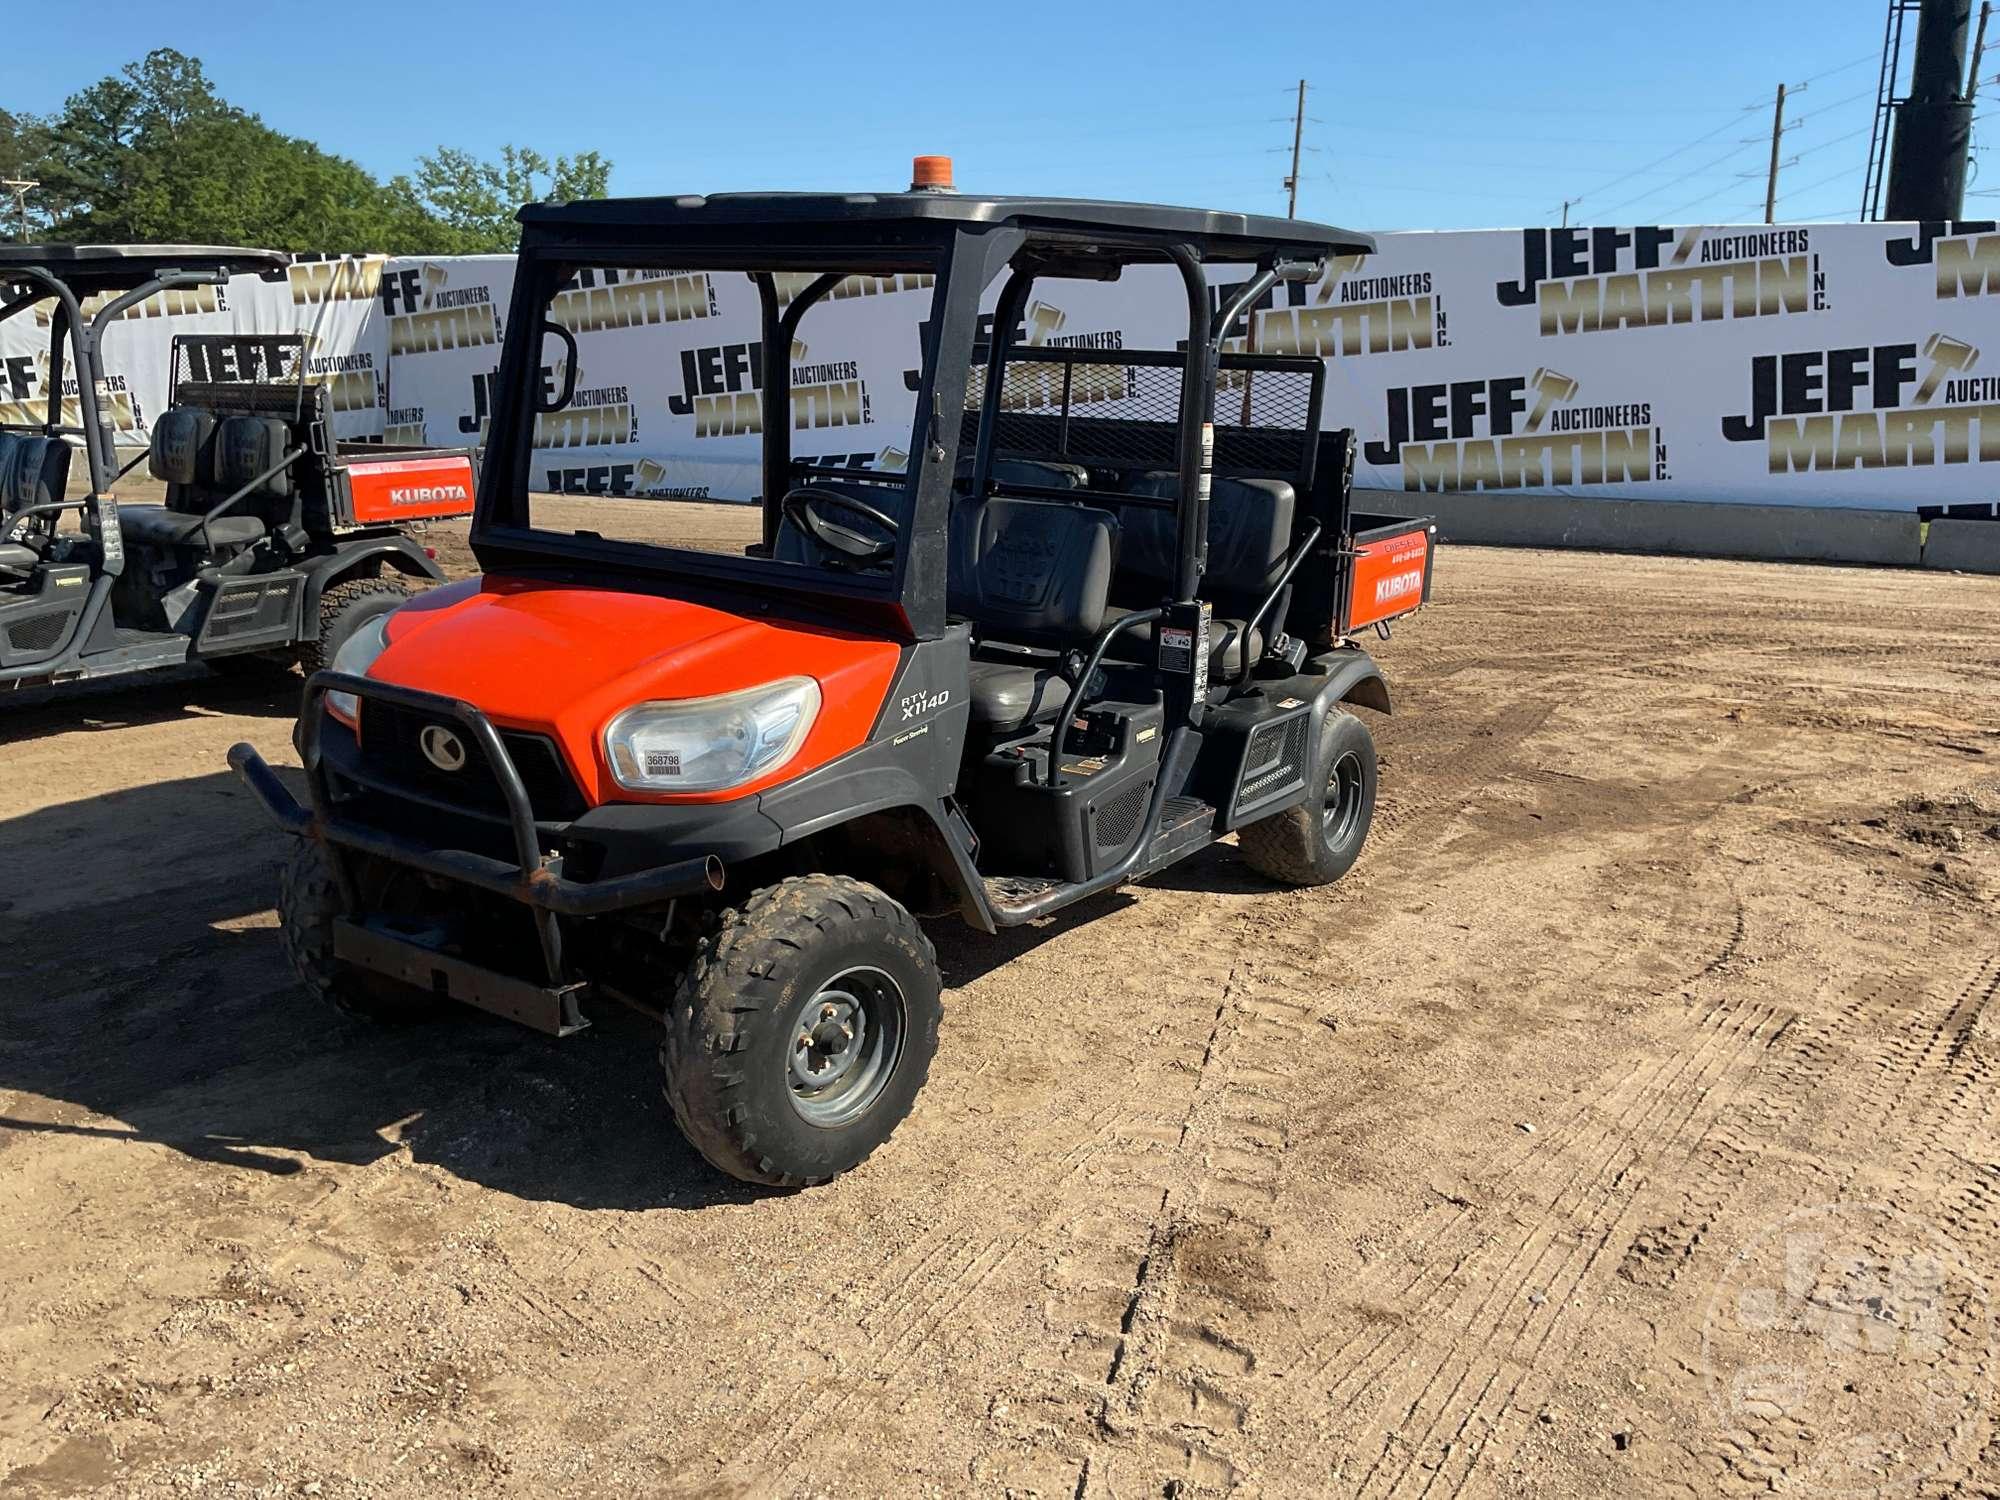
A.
pixel 1978 51
pixel 1568 203
pixel 1771 180
pixel 1934 123
pixel 20 187
pixel 1298 134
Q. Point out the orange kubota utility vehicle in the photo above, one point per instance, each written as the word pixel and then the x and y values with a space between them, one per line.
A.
pixel 1102 618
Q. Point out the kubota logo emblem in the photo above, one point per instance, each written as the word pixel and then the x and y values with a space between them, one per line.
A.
pixel 1399 586
pixel 442 748
pixel 427 494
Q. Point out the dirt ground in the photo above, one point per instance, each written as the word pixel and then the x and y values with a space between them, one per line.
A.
pixel 1625 1123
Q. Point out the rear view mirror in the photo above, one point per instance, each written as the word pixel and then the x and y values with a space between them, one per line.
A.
pixel 564 369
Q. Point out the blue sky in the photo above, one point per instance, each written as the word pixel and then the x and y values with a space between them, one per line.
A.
pixel 1424 114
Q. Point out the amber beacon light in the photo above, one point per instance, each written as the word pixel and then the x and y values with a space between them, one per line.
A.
pixel 931 174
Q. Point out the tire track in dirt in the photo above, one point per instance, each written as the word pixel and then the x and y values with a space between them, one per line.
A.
pixel 1574 1194
pixel 1185 1376
pixel 1141 1149
pixel 1189 1381
pixel 900 1311
pixel 1177 1402
pixel 1930 1091
pixel 1725 1160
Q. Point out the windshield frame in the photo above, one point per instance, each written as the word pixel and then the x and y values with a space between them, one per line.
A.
pixel 504 535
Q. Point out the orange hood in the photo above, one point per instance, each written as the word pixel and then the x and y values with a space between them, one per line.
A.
pixel 565 659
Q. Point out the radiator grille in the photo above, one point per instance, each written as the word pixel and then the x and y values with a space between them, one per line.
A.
pixel 391 750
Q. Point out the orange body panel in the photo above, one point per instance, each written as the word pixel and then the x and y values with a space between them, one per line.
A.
pixel 564 660
pixel 1388 578
pixel 410 489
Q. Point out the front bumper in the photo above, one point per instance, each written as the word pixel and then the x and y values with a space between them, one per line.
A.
pixel 535 884
pixel 533 878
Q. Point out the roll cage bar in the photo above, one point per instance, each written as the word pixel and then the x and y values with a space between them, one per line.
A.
pixel 133 273
pixel 967 243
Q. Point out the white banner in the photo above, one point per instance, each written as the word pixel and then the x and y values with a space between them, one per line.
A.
pixel 238 331
pixel 1824 364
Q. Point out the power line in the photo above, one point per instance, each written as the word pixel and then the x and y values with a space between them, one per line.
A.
pixel 1728 124
pixel 1699 140
pixel 1851 135
pixel 1817 183
pixel 1814 114
pixel 1842 68
pixel 1730 155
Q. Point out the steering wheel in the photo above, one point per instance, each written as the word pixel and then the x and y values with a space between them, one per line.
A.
pixel 802 508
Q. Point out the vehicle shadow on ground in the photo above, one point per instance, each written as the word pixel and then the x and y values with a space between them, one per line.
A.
pixel 966 955
pixel 123 703
pixel 144 998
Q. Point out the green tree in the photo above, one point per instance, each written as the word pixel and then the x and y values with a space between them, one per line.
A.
pixel 154 153
pixel 475 200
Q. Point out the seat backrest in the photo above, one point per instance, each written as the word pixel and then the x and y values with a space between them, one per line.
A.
pixel 35 471
pixel 206 457
pixel 1048 476
pixel 183 448
pixel 1031 570
pixel 1249 534
pixel 244 448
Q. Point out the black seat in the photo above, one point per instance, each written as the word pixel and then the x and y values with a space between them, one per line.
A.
pixel 1026 573
pixel 34 470
pixel 160 527
pixel 204 458
pixel 1029 471
pixel 1249 535
pixel 1012 695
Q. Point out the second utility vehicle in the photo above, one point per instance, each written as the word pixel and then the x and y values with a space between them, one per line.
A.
pixel 275 542
pixel 1103 618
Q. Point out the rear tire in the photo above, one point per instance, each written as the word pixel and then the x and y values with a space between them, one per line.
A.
pixel 308 902
pixel 345 608
pixel 1316 842
pixel 802 1030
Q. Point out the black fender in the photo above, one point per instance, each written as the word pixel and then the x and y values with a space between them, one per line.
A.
pixel 890 818
pixel 1353 677
pixel 862 815
pixel 361 554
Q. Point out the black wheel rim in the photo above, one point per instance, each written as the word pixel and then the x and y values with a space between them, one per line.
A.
pixel 845 1046
pixel 1343 799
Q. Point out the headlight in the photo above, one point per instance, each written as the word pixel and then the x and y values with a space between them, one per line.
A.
pixel 356 655
pixel 705 744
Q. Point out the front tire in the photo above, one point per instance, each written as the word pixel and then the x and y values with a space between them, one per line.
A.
pixel 308 903
pixel 801 1032
pixel 1316 842
pixel 345 608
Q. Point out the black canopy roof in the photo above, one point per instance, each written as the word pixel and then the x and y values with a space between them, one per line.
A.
pixel 89 269
pixel 1216 236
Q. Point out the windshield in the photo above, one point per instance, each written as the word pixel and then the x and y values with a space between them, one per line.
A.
pixel 653 386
